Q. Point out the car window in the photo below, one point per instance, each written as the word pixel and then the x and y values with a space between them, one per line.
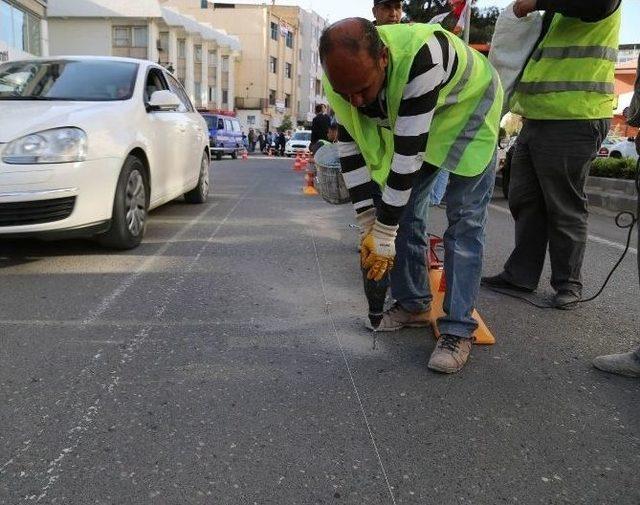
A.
pixel 155 82
pixel 236 126
pixel 68 80
pixel 301 136
pixel 227 125
pixel 220 124
pixel 211 122
pixel 178 90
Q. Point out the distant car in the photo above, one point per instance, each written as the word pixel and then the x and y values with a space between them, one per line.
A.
pixel 299 141
pixel 225 135
pixel 89 145
pixel 624 149
pixel 605 148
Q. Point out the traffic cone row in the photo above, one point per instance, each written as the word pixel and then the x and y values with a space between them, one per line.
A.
pixel 300 162
pixel 309 183
pixel 245 155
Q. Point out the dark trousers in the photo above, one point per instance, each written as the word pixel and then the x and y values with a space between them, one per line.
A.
pixel 547 199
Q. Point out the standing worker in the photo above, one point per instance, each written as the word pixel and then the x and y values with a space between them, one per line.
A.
pixel 566 97
pixel 412 100
pixel 320 124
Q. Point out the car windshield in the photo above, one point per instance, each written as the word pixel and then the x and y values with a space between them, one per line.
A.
pixel 301 136
pixel 211 122
pixel 68 80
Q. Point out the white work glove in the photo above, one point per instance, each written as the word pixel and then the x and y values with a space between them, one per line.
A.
pixel 365 221
pixel 378 250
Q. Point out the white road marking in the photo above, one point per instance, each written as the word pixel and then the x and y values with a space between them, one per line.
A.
pixel 592 238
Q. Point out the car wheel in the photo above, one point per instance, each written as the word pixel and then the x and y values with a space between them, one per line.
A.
pixel 200 193
pixel 234 154
pixel 129 218
pixel 615 154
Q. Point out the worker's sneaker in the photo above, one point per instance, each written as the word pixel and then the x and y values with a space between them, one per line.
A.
pixel 566 300
pixel 451 354
pixel 397 318
pixel 621 364
pixel 499 282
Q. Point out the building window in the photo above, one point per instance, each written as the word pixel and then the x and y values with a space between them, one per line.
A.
pixel 163 43
pixel 287 70
pixel 225 96
pixel 287 100
pixel 212 93
pixel 318 87
pixel 274 31
pixel 130 36
pixel 290 39
pixel 213 59
pixel 182 48
pixel 273 65
pixel 140 36
pixel 272 97
pixel 20 29
pixel 197 54
pixel 121 36
pixel 225 63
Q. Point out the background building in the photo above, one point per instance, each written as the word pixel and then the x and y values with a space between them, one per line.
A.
pixel 311 91
pixel 196 53
pixel 279 72
pixel 23 29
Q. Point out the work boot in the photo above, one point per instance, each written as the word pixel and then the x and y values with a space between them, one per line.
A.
pixel 499 282
pixel 397 318
pixel 566 300
pixel 627 364
pixel 451 354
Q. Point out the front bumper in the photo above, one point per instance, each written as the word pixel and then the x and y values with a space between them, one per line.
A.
pixel 90 185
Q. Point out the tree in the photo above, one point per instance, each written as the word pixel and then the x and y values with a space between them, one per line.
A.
pixel 483 21
pixel 286 124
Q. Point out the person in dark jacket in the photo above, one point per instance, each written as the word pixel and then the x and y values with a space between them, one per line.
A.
pixel 627 364
pixel 566 97
pixel 320 124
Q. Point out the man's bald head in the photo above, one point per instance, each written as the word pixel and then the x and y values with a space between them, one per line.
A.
pixel 353 35
pixel 354 59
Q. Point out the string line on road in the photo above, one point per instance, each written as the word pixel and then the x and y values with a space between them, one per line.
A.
pixel 346 362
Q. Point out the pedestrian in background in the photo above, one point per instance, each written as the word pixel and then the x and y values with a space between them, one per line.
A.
pixel 252 140
pixel 261 141
pixel 320 124
pixel 566 97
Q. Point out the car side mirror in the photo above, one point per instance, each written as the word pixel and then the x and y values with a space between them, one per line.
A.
pixel 631 139
pixel 163 100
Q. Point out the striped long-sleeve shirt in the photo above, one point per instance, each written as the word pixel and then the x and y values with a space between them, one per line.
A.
pixel 432 68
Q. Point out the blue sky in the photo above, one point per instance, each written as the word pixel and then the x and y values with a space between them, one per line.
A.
pixel 338 9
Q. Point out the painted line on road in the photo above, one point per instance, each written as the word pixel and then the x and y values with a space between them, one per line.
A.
pixel 592 238
pixel 54 472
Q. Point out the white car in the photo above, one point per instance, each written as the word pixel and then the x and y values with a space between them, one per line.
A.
pixel 626 148
pixel 299 141
pixel 89 145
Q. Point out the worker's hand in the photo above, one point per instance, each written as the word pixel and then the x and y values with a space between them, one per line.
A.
pixel 523 7
pixel 365 222
pixel 378 250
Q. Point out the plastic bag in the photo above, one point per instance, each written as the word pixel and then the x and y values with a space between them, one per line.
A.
pixel 513 43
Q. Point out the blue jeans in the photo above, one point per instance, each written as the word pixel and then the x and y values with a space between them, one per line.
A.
pixel 467 201
pixel 439 188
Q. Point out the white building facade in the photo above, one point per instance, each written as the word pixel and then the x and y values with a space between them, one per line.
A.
pixel 310 70
pixel 194 52
pixel 23 29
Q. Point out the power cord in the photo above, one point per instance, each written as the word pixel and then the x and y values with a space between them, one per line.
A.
pixel 633 221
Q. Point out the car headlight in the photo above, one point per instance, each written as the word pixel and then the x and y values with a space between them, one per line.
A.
pixel 58 145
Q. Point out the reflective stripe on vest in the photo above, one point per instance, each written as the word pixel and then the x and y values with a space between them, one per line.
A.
pixel 571 74
pixel 464 130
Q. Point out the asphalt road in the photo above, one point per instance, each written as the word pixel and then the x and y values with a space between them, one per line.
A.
pixel 225 362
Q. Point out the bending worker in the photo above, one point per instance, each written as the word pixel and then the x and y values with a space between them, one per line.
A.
pixel 566 97
pixel 412 100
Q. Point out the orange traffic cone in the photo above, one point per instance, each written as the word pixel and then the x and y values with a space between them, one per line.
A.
pixel 245 155
pixel 297 165
pixel 436 278
pixel 305 160
pixel 309 183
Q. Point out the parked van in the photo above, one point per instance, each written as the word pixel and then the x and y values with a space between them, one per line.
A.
pixel 225 135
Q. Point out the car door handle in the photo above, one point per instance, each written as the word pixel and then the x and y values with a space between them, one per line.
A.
pixel 182 128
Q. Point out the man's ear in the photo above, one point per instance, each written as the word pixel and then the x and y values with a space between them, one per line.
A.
pixel 384 57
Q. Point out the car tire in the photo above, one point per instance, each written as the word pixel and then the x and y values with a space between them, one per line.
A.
pixel 615 154
pixel 200 193
pixel 130 204
pixel 234 154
